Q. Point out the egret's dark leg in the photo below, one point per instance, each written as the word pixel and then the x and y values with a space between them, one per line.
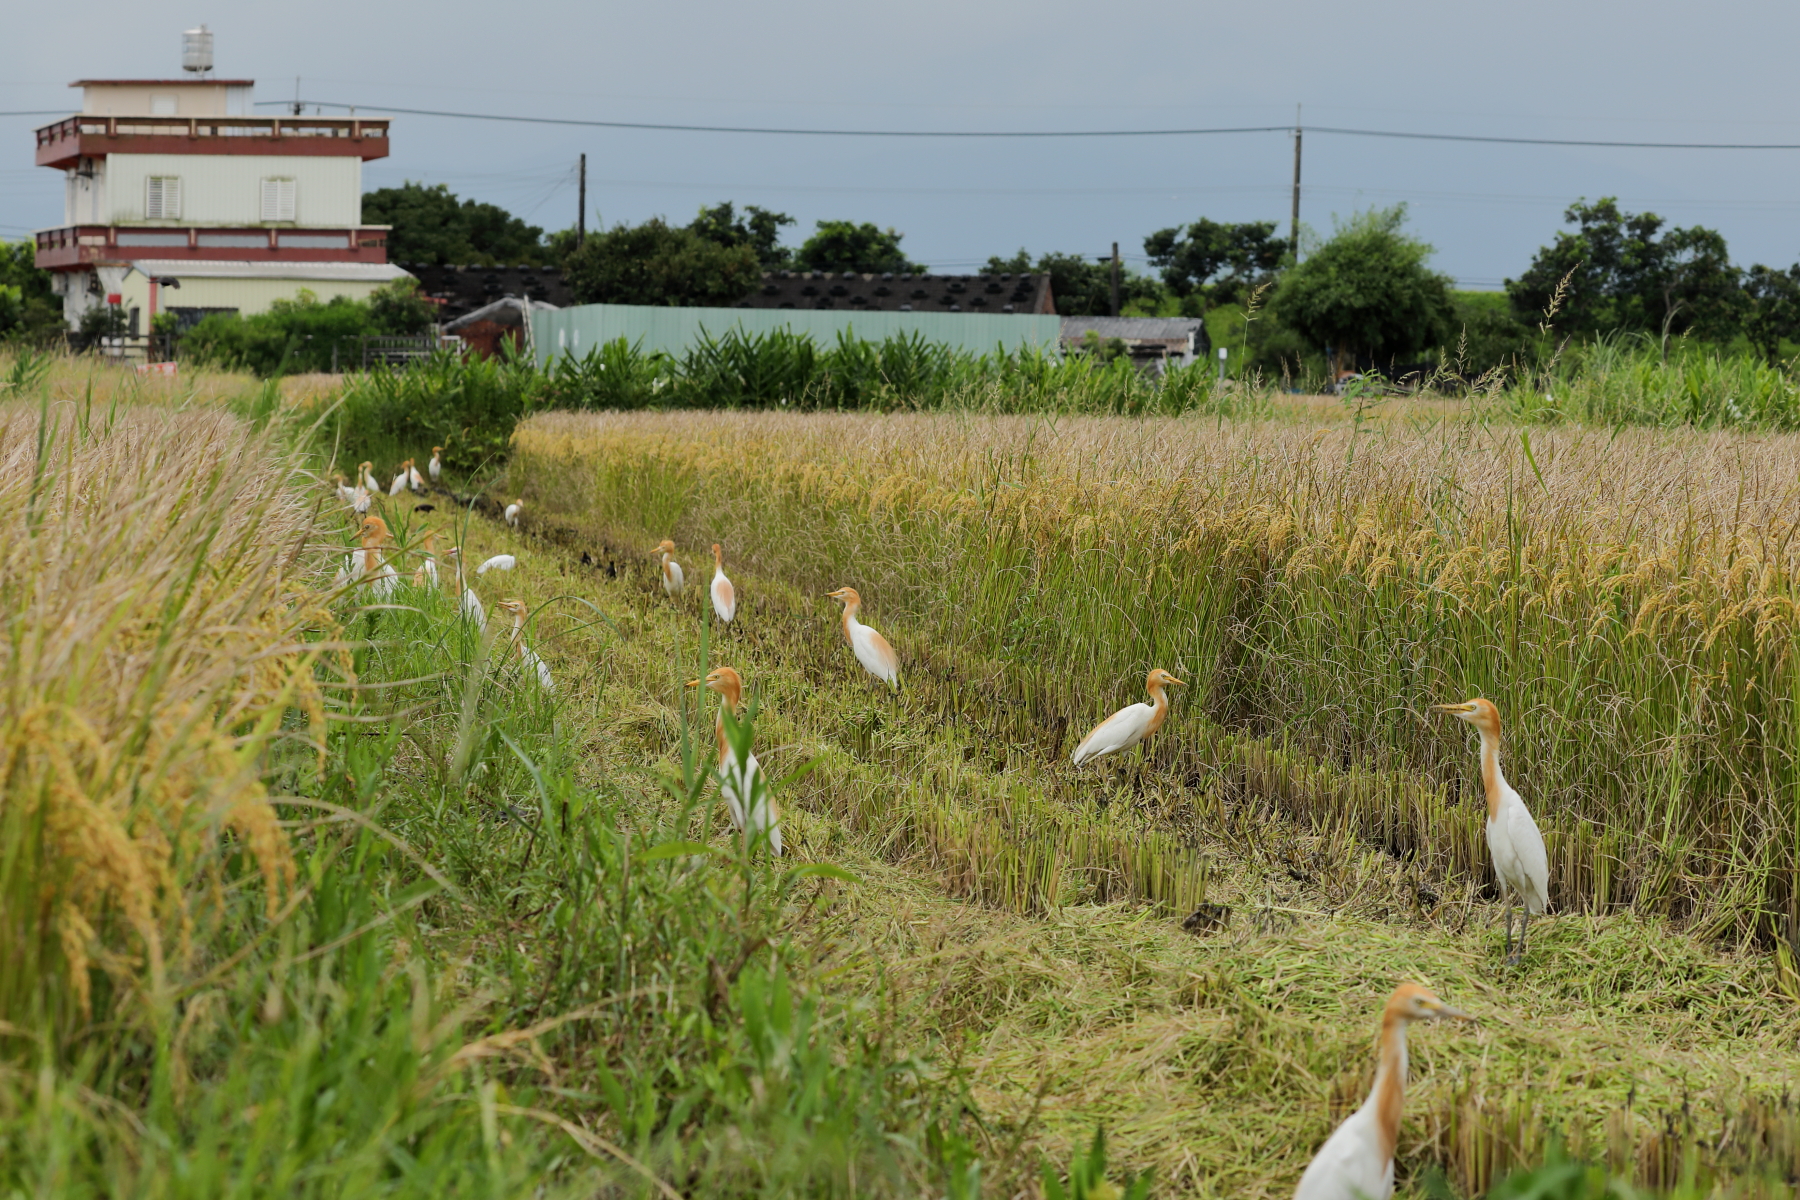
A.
pixel 1524 924
pixel 1509 908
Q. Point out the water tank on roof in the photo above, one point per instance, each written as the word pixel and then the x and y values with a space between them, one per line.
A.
pixel 197 50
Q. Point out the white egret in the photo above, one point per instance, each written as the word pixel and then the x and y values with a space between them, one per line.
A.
pixel 1131 724
pixel 673 580
pixel 741 783
pixel 512 512
pixel 871 649
pixel 436 465
pixel 724 596
pixel 500 562
pixel 533 664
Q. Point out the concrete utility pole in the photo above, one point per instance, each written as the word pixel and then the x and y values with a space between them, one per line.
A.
pixel 581 207
pixel 1294 228
pixel 1115 279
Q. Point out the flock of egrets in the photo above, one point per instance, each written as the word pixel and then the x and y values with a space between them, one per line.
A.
pixel 1358 1159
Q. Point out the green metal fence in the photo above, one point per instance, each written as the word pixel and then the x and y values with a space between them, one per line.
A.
pixel 672 330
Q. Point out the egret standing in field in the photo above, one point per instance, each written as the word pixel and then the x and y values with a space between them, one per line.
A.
pixel 533 664
pixel 427 574
pixel 500 562
pixel 467 602
pixel 512 512
pixel 1131 724
pixel 414 480
pixel 381 576
pixel 1514 842
pixel 746 792
pixel 1357 1160
pixel 872 650
pixel 673 580
pixel 436 465
pixel 401 476
pixel 345 492
pixel 724 596
pixel 368 478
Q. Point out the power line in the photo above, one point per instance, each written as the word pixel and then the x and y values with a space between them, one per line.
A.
pixel 1045 133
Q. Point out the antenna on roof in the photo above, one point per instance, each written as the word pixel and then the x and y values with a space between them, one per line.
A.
pixel 197 51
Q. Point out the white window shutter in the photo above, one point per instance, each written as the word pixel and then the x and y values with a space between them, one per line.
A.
pixel 278 199
pixel 162 198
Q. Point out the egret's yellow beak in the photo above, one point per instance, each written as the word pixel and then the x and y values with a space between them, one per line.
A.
pixel 1175 681
pixel 693 683
pixel 1455 710
pixel 1440 1009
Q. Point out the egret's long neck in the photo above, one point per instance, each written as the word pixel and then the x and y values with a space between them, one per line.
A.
pixel 518 626
pixel 850 618
pixel 1492 781
pixel 1159 708
pixel 1388 1096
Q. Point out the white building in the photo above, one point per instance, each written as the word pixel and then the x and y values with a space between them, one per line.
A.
pixel 175 180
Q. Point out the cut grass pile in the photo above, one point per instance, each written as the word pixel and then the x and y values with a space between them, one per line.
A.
pixel 1626 598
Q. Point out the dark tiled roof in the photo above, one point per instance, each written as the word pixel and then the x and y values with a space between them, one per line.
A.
pixel 465 289
pixel 1132 329
pixel 915 293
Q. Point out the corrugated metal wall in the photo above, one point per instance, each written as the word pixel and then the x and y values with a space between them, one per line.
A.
pixel 672 330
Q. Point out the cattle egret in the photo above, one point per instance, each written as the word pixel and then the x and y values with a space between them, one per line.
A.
pixel 724 596
pixel 512 513
pixel 400 479
pixel 414 480
pixel 500 562
pixel 359 499
pixel 1514 842
pixel 741 783
pixel 436 465
pixel 345 492
pixel 1131 724
pixel 368 479
pixel 533 664
pixel 672 578
pixel 872 650
pixel 380 575
pixel 467 602
pixel 427 574
pixel 1357 1160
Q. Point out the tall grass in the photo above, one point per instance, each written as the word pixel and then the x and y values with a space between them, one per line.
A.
pixel 1627 380
pixel 1626 599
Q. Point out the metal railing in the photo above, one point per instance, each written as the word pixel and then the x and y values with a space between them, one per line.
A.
pixel 198 127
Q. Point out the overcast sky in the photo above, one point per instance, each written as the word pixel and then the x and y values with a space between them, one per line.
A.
pixel 1643 71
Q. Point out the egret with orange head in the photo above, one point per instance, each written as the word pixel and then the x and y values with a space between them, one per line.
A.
pixel 871 649
pixel 724 596
pixel 741 782
pixel 673 580
pixel 1131 724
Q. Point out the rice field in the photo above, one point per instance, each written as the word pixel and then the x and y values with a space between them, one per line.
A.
pixel 318 892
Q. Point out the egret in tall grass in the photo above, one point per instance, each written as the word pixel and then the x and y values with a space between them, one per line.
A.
pixel 742 784
pixel 359 499
pixel 512 512
pixel 1131 724
pixel 436 465
pixel 1514 842
pixel 533 664
pixel 872 650
pixel 368 478
pixel 500 562
pixel 1357 1160
pixel 467 602
pixel 724 596
pixel 427 574
pixel 673 580
pixel 345 492
pixel 402 476
pixel 378 573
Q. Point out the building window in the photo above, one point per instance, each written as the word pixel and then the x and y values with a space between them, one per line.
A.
pixel 162 198
pixel 278 200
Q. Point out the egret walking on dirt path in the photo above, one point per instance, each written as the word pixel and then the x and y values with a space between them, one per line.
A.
pixel 724 596
pixel 872 650
pixel 1357 1161
pixel 746 792
pixel 1131 724
pixel 672 578
pixel 1513 839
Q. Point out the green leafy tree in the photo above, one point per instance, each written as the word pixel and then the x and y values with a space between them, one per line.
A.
pixel 1082 287
pixel 431 226
pixel 1367 291
pixel 659 263
pixel 757 228
pixel 1211 262
pixel 396 309
pixel 1772 308
pixel 28 308
pixel 1625 272
pixel 837 246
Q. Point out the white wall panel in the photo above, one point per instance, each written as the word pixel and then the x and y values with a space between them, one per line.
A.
pixel 226 189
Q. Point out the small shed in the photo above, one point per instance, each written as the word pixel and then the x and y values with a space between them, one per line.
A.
pixel 507 319
pixel 1151 341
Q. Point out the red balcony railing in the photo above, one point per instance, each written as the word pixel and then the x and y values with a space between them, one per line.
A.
pixel 62 143
pixel 83 245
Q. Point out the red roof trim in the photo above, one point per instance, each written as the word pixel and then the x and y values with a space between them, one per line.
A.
pixel 164 82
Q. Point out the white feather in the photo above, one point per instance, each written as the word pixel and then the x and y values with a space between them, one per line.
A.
pixel 399 484
pixel 673 579
pixel 724 596
pixel 471 607
pixel 500 562
pixel 1121 731
pixel 512 514
pixel 1518 851
pixel 738 780
pixel 1350 1165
